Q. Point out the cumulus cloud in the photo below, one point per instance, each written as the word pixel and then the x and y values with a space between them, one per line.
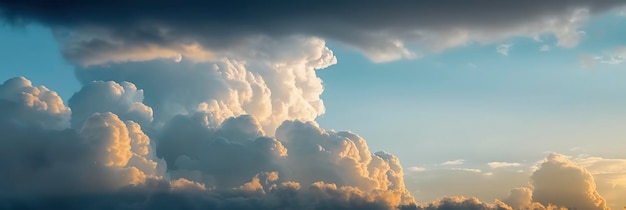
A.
pixel 99 32
pixel 105 154
pixel 106 159
pixel 30 105
pixel 278 83
pixel 610 177
pixel 123 99
pixel 562 182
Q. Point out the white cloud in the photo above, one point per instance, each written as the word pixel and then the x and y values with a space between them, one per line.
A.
pixel 468 169
pixel 453 162
pixel 544 48
pixel 504 49
pixel 502 164
pixel 271 81
pixel 416 169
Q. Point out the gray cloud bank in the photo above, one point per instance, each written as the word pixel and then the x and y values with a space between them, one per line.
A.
pixel 99 31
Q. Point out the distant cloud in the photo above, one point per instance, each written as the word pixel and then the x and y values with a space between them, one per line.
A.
pixel 544 48
pixel 504 49
pixel 468 169
pixel 612 57
pixel 453 162
pixel 562 182
pixel 502 164
pixel 416 169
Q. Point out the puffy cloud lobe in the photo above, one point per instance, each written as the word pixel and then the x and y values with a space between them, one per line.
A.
pixel 222 157
pixel 23 103
pixel 521 198
pixel 610 177
pixel 38 157
pixel 99 32
pixel 279 84
pixel 123 99
pixel 227 156
pixel 561 182
pixel 342 158
pixel 94 159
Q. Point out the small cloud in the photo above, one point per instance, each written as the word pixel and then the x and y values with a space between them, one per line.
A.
pixel 416 169
pixel 504 49
pixel 468 169
pixel 611 60
pixel 178 58
pixel 488 174
pixel 453 162
pixel 544 48
pixel 502 164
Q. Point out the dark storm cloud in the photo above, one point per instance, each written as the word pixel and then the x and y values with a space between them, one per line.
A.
pixel 377 28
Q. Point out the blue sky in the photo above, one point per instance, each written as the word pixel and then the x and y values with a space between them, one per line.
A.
pixel 471 101
pixel 467 103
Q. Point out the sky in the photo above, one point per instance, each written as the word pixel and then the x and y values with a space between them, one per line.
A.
pixel 477 105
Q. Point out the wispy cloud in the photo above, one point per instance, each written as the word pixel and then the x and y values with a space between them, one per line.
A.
pixel 416 169
pixel 502 164
pixel 468 169
pixel 544 48
pixel 453 162
pixel 504 49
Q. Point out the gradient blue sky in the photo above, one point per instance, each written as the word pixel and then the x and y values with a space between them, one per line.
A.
pixel 466 103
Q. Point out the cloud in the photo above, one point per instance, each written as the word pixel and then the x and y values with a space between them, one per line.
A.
pixel 187 161
pixel 613 57
pixel 29 105
pixel 504 49
pixel 431 185
pixel 416 169
pixel 610 177
pixel 521 198
pixel 123 99
pixel 502 164
pixel 276 84
pixel 39 158
pixel 461 203
pixel 202 31
pixel 544 48
pixel 453 162
pixel 157 194
pixel 562 182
